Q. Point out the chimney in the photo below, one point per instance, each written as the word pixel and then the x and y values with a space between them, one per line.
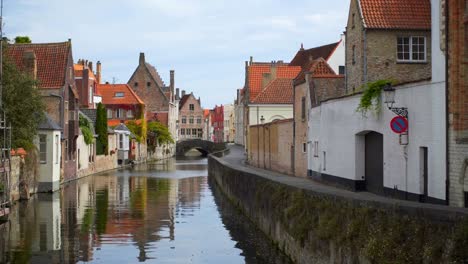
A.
pixel 251 60
pixel 183 93
pixel 30 63
pixel 171 84
pixel 142 58
pixel 90 66
pixel 273 69
pixel 177 93
pixel 98 72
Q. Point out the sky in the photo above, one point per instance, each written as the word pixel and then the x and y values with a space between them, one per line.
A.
pixel 206 42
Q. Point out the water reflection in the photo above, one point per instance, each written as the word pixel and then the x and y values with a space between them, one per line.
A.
pixel 162 212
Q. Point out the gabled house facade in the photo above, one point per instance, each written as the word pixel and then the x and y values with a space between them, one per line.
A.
pixel 218 124
pixel 191 116
pixel 122 104
pixel 312 72
pixel 52 65
pixel 396 41
pixel 239 118
pixel 48 142
pixel 160 100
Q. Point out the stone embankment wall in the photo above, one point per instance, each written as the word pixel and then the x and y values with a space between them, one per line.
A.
pixel 322 227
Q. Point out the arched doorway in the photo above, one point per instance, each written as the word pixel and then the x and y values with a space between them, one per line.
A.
pixel 373 168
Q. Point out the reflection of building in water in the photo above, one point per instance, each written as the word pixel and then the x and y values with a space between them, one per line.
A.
pixel 189 192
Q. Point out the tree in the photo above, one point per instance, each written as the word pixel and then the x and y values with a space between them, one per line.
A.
pixel 22 104
pixel 139 127
pixel 101 130
pixel 158 134
pixel 22 39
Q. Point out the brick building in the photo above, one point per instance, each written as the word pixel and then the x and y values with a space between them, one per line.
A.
pixel 52 65
pixel 191 117
pixel 217 121
pixel 457 84
pixel 381 46
pixel 86 83
pixel 160 100
pixel 122 104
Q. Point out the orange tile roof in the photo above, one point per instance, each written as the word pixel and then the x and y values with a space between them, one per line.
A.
pixel 396 14
pixel 318 68
pixel 256 71
pixel 206 113
pixel 52 60
pixel 107 91
pixel 78 68
pixel 116 122
pixel 279 91
pixel 303 56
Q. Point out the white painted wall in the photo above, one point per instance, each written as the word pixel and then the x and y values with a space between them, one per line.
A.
pixel 338 57
pixel 336 125
pixel 84 150
pixel 239 123
pixel 228 110
pixel 49 172
pixel 269 112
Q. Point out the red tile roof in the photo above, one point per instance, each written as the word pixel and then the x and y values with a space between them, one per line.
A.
pixel 396 14
pixel 52 60
pixel 256 71
pixel 318 68
pixel 303 56
pixel 206 113
pixel 108 92
pixel 78 68
pixel 279 91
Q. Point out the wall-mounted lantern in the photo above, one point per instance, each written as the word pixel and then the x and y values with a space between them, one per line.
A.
pixel 262 119
pixel 389 100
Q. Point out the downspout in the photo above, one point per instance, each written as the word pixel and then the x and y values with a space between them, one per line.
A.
pixel 447 125
pixel 294 130
pixel 365 56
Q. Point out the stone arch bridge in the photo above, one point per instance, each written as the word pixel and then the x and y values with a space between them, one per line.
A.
pixel 205 147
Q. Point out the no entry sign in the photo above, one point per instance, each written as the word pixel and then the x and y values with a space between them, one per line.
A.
pixel 399 124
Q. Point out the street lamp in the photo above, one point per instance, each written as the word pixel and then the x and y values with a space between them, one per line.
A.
pixel 389 100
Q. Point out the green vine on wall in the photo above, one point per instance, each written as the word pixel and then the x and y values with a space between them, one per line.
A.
pixel 86 130
pixel 371 97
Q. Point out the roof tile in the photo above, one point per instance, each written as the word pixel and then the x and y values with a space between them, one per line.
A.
pixel 108 92
pixel 279 91
pixel 396 14
pixel 256 72
pixel 52 59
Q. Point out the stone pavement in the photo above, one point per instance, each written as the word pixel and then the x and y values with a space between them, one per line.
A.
pixel 236 160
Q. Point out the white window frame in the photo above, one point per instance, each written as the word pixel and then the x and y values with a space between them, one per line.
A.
pixel 90 99
pixel 130 113
pixel 109 113
pixel 316 149
pixel 43 148
pixel 410 43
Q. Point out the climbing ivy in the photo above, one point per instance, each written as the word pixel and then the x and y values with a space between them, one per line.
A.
pixel 371 97
pixel 86 130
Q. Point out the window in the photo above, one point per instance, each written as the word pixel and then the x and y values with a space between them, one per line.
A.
pixel 109 113
pixel 324 161
pixel 304 147
pixel 303 108
pixel 121 141
pixel 200 133
pixel 148 84
pixel 354 54
pixel 191 120
pixel 191 107
pixel 182 131
pixel 198 119
pixel 57 149
pixel 188 131
pixel 341 70
pixel 66 112
pixel 43 148
pixel 316 150
pixel 194 132
pixel 119 94
pixel 129 114
pixel 119 113
pixel 135 84
pixel 411 49
pixel 184 120
pixel 353 22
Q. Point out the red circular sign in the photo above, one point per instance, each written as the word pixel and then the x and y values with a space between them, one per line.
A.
pixel 399 124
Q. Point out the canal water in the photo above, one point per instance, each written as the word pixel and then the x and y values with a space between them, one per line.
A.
pixel 164 212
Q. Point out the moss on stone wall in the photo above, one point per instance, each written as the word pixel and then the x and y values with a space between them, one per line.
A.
pixel 326 227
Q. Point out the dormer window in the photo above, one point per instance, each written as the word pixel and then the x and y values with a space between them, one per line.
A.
pixel 411 49
pixel 119 94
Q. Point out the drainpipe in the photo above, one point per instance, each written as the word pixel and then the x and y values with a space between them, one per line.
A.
pixel 447 125
pixel 258 139
pixel 293 161
pixel 365 56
